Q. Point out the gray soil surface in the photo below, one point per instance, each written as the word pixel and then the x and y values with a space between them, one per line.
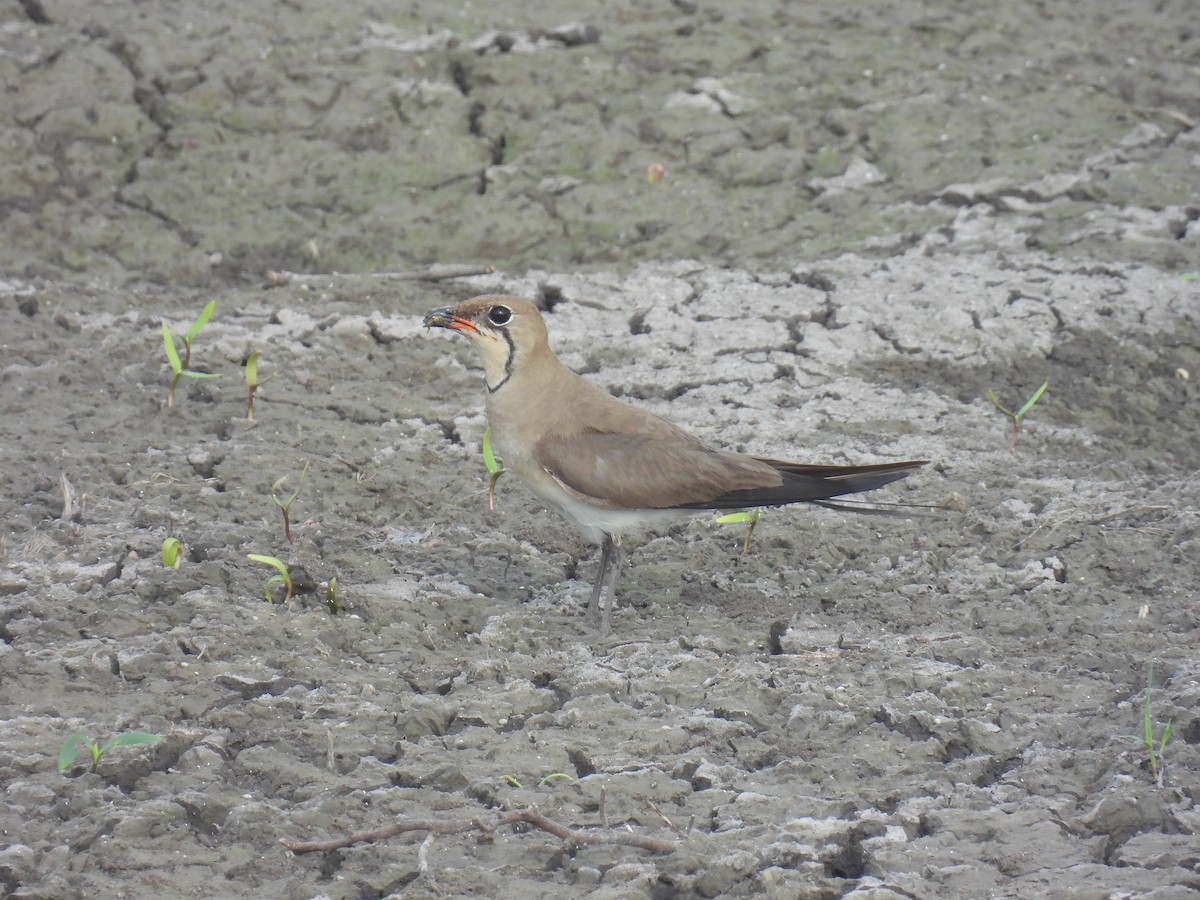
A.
pixel 868 216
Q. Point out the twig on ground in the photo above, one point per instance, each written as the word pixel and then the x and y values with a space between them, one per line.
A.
pixel 433 273
pixel 1077 516
pixel 423 864
pixel 72 507
pixel 665 820
pixel 459 826
pixel 1128 511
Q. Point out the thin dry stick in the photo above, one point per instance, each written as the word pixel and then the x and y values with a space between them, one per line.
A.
pixel 441 273
pixel 1075 517
pixel 1128 511
pixel 433 273
pixel 574 836
pixel 423 864
pixel 72 505
pixel 68 497
pixel 452 826
pixel 665 820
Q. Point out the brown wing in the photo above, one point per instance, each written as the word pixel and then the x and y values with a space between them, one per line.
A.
pixel 843 472
pixel 638 471
pixel 804 483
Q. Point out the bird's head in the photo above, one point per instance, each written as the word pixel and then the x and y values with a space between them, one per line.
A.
pixel 505 330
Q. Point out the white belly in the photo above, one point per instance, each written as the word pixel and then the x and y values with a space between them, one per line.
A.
pixel 596 521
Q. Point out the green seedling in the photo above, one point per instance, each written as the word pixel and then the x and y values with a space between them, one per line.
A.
pixel 511 781
pixel 283 577
pixel 1019 414
pixel 70 748
pixel 182 368
pixel 751 517
pixel 331 597
pixel 1154 746
pixel 285 506
pixel 493 468
pixel 172 553
pixel 253 382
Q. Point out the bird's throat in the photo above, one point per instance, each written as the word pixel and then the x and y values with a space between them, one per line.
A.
pixel 498 363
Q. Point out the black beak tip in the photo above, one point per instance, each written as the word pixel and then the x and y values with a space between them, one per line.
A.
pixel 438 318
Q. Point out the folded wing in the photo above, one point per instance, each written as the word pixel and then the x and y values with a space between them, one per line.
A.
pixel 639 471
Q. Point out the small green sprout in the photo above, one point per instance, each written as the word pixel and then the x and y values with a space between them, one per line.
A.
pixel 1190 276
pixel 734 518
pixel 1019 414
pixel 1154 746
pixel 493 468
pixel 253 382
pixel 172 553
pixel 331 597
pixel 511 781
pixel 183 368
pixel 285 506
pixel 70 748
pixel 283 577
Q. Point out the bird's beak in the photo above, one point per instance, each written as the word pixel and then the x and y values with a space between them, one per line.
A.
pixel 445 318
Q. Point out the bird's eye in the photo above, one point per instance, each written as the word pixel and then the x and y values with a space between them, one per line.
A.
pixel 499 315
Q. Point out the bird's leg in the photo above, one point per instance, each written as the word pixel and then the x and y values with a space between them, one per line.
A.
pixel 593 610
pixel 598 611
pixel 615 559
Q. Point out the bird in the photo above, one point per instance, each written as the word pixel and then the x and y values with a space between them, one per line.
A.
pixel 608 467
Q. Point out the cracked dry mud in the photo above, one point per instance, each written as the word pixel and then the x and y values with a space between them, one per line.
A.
pixel 837 267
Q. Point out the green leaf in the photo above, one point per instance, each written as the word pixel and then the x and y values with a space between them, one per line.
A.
pixel 278 579
pixel 555 776
pixel 70 749
pixel 252 371
pixel 510 780
pixel 1037 395
pixel 172 353
pixel 493 467
pixel 1166 736
pixel 738 517
pixel 750 518
pixel 489 458
pixel 172 553
pixel 269 561
pixel 281 482
pixel 130 739
pixel 1147 723
pixel 199 324
pixel 282 578
pixel 996 403
pixel 188 373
